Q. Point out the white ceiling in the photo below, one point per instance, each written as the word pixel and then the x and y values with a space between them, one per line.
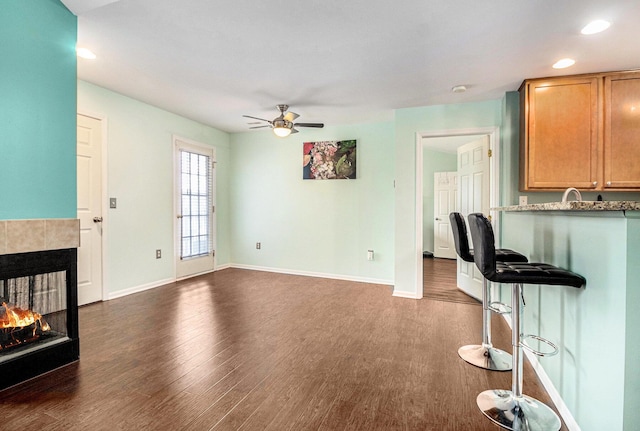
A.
pixel 337 61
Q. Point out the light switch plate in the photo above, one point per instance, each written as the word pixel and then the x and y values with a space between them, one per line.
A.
pixel 112 203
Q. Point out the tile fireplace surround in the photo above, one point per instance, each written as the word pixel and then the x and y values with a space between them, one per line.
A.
pixel 22 236
pixel 38 271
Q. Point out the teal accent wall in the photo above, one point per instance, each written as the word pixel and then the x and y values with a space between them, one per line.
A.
pixel 432 161
pixel 37 110
pixel 140 175
pixel 408 123
pixel 314 226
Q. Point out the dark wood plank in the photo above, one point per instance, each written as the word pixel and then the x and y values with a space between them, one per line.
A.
pixel 249 350
pixel 440 284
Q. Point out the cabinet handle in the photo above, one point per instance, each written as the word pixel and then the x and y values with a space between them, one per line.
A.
pixel 608 183
pixel 595 183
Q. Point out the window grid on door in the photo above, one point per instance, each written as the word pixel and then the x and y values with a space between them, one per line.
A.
pixel 196 206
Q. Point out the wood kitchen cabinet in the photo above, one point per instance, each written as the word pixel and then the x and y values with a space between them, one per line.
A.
pixel 622 131
pixel 580 131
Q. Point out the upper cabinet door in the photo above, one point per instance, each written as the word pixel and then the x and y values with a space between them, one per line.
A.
pixel 622 131
pixel 560 140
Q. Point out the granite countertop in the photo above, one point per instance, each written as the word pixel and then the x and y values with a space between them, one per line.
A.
pixel 576 206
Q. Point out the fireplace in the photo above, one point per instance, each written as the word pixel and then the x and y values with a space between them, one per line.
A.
pixel 38 306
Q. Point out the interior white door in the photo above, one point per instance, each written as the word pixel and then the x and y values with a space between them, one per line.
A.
pixel 445 198
pixel 89 171
pixel 474 196
pixel 195 208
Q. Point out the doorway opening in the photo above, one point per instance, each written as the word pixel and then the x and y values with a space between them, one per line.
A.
pixel 430 147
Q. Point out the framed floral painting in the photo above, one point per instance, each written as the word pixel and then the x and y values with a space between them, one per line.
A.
pixel 329 160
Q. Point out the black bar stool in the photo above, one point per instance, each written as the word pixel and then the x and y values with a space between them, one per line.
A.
pixel 511 409
pixel 483 355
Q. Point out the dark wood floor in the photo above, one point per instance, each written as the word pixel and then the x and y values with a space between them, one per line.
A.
pixel 439 281
pixel 251 350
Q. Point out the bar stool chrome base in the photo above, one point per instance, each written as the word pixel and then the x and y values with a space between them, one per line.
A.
pixel 518 414
pixel 488 358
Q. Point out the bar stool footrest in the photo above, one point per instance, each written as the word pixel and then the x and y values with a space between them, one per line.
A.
pixel 538 352
pixel 499 307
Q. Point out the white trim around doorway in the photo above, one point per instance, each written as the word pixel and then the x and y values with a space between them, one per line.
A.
pixel 494 146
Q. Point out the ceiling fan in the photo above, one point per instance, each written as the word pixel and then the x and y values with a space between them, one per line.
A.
pixel 283 125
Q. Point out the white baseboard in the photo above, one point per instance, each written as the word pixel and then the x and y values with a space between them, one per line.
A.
pixel 196 274
pixel 137 289
pixel 405 294
pixel 143 287
pixel 158 283
pixel 564 411
pixel 313 274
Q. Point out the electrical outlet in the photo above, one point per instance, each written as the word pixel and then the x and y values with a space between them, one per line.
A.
pixel 523 200
pixel 369 254
pixel 258 245
pixel 158 254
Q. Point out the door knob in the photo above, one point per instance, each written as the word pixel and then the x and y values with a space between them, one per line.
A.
pixel 437 219
pixel 97 219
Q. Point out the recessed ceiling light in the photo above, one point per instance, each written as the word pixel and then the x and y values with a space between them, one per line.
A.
pixel 85 53
pixel 595 27
pixel 459 89
pixel 565 62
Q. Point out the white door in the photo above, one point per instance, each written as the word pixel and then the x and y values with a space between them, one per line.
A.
pixel 89 170
pixel 195 208
pixel 445 191
pixel 474 189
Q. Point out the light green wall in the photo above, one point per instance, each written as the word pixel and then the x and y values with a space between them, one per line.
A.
pixel 432 161
pixel 316 226
pixel 509 150
pixel 631 417
pixel 409 122
pixel 37 110
pixel 140 176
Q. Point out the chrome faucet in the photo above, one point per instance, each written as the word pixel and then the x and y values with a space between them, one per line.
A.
pixel 576 193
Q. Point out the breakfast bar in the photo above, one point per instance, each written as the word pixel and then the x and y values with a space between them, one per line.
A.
pixel 596 325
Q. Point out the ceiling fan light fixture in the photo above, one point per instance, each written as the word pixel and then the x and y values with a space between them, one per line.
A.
pixel 282 128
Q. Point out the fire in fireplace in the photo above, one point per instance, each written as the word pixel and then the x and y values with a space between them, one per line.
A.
pixel 39 313
pixel 18 326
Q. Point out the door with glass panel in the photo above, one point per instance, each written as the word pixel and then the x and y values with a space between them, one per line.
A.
pixel 195 208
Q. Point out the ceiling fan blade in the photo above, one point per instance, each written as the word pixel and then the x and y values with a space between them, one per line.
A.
pixel 293 130
pixel 256 118
pixel 290 116
pixel 316 125
pixel 260 127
